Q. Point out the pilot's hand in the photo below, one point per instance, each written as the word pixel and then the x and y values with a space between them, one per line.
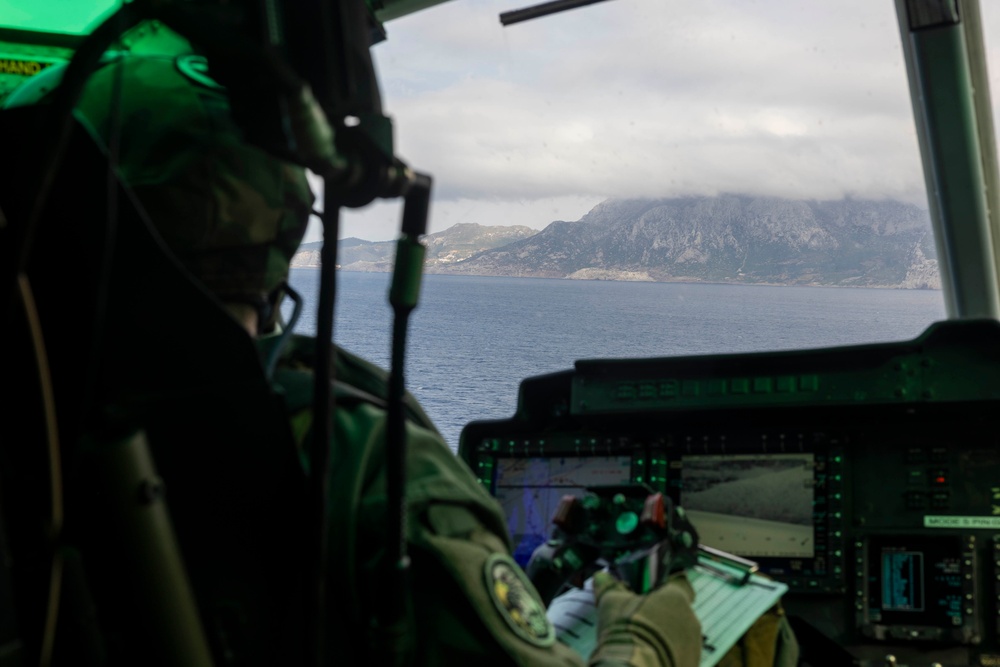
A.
pixel 658 628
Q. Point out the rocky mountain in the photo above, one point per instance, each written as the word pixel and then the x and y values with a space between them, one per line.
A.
pixel 455 244
pixel 732 239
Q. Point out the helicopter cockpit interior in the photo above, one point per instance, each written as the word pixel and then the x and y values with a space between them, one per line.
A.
pixel 865 478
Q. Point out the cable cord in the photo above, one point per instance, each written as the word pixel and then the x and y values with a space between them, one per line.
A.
pixel 404 295
pixel 64 100
pixel 54 462
pixel 107 252
pixel 396 470
pixel 286 333
pixel 324 407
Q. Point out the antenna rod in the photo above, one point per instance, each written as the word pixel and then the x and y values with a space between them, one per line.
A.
pixel 544 9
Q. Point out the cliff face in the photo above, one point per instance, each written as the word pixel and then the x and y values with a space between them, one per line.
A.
pixel 732 239
pixel 729 239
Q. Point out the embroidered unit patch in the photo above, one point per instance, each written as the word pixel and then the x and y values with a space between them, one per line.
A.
pixel 514 599
pixel 195 68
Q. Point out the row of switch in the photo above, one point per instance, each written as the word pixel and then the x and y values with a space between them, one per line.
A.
pixel 918 500
pixel 917 454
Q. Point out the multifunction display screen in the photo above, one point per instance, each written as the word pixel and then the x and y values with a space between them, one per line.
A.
pixel 916 581
pixel 776 508
pixel 755 505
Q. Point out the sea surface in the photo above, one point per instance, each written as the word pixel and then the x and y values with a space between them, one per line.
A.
pixel 473 339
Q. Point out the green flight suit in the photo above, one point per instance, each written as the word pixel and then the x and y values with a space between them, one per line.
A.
pixel 233 216
pixel 463 581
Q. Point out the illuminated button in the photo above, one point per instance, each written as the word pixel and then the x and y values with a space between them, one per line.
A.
pixel 762 385
pixel 915 478
pixel 626 523
pixel 809 382
pixel 741 385
pixel 939 477
pixel 716 387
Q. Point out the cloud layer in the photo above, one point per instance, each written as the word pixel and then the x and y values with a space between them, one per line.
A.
pixel 651 98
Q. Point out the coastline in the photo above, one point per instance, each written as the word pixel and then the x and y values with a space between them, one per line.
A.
pixel 687 280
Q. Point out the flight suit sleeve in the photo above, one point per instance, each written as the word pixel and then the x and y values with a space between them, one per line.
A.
pixel 658 628
pixel 472 603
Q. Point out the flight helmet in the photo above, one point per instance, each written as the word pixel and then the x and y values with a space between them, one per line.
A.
pixel 230 212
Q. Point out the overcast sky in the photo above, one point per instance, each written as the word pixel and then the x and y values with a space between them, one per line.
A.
pixel 645 98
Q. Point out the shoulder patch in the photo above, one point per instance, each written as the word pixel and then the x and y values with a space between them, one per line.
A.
pixel 195 68
pixel 516 601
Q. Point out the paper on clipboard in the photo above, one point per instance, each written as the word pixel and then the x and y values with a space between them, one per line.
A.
pixel 726 610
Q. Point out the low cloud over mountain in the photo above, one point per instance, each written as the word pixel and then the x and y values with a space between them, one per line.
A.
pixel 731 239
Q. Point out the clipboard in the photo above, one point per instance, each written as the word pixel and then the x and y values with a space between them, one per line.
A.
pixel 729 598
pixel 727 609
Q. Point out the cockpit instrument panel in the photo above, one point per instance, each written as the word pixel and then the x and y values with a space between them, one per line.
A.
pixel 866 478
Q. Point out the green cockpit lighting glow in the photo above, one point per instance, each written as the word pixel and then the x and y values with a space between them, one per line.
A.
pixel 73 17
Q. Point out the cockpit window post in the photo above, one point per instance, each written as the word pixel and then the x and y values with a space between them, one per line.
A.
pixel 943 48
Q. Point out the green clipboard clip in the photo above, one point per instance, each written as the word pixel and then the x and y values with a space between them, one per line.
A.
pixel 730 595
pixel 738 570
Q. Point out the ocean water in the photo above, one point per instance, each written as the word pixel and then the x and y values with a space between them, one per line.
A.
pixel 473 339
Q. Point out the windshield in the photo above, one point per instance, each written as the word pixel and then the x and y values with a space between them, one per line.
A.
pixel 736 176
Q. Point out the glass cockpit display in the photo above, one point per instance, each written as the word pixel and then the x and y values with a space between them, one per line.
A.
pixel 756 505
pixel 918 588
pixel 529 490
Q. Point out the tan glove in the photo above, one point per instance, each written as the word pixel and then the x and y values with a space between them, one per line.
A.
pixel 656 629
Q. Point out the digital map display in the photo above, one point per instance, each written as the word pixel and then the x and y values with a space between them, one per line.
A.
pixel 529 490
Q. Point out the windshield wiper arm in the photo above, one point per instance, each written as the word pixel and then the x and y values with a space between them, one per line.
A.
pixel 544 9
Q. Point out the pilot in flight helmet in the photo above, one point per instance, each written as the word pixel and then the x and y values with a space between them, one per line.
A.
pixel 230 212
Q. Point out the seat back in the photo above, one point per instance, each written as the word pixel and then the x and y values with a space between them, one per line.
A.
pixel 135 345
